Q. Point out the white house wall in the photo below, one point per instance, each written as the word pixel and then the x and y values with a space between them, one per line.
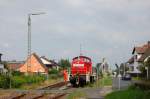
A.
pixel 139 56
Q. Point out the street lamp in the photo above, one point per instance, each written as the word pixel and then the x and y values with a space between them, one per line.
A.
pixel 29 39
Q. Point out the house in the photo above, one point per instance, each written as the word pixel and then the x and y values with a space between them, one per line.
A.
pixel 139 54
pixel 1 57
pixel 14 65
pixel 37 65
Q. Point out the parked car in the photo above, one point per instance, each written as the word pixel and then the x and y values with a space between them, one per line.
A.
pixel 126 77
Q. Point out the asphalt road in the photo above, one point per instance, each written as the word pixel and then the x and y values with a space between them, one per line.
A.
pixel 123 83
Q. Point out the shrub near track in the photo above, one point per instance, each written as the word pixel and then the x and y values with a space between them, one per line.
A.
pixel 4 81
pixel 18 81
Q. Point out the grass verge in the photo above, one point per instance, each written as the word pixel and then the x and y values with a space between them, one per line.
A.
pixel 77 95
pixel 39 85
pixel 130 93
pixel 106 81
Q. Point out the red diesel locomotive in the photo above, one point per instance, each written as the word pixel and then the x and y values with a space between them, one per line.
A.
pixel 81 71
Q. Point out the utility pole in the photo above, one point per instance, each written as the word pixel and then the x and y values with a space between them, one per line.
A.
pixel 29 41
pixel 29 44
pixel 119 78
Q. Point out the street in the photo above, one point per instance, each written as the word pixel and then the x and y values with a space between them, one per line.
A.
pixel 123 83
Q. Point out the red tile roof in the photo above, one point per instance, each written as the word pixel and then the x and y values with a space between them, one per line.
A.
pixel 145 55
pixel 141 49
pixel 144 50
pixel 14 65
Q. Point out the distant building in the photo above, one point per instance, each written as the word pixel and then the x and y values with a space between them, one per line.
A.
pixel 38 65
pixel 14 65
pixel 139 55
pixel 1 57
pixel 2 67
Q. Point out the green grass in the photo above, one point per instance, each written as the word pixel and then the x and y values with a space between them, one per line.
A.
pixel 77 95
pixel 24 82
pixel 129 94
pixel 106 81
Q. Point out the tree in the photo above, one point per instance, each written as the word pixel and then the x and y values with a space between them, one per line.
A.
pixel 143 70
pixel 147 63
pixel 99 70
pixel 143 66
pixel 64 63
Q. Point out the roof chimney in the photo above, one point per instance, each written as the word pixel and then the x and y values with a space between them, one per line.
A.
pixel 0 57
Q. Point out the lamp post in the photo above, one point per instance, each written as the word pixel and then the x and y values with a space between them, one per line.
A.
pixel 29 39
pixel 147 72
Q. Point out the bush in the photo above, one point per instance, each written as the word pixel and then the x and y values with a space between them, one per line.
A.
pixel 143 85
pixel 4 81
pixel 34 79
pixel 53 71
pixel 16 73
pixel 132 87
pixel 53 76
pixel 17 81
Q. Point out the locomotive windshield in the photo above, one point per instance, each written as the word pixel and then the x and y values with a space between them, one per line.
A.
pixel 82 58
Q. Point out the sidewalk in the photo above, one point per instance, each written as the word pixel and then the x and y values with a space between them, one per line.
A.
pixel 105 90
pixel 98 93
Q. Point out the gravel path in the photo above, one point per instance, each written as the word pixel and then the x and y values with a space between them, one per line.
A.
pixel 97 93
pixel 93 93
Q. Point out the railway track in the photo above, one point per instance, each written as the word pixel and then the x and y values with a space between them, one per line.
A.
pixel 54 86
pixel 54 91
pixel 34 96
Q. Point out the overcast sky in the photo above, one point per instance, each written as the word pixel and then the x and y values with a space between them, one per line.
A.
pixel 104 28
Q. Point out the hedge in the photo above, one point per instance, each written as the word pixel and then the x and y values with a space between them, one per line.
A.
pixel 143 85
